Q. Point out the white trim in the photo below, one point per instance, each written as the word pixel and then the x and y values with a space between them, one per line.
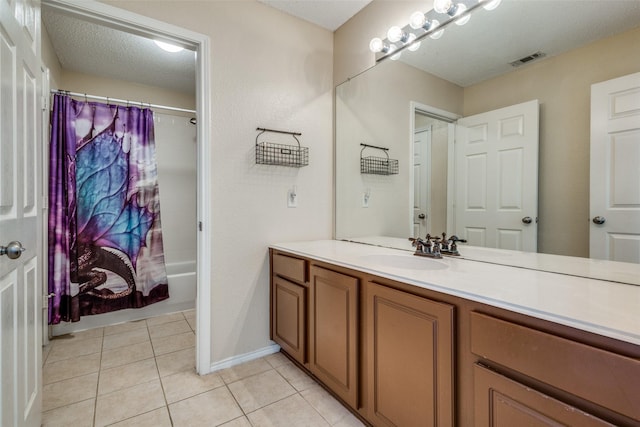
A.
pixel 134 23
pixel 242 358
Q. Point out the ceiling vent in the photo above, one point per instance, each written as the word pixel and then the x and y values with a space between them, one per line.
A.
pixel 527 59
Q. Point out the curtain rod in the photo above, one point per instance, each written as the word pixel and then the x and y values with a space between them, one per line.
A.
pixel 122 101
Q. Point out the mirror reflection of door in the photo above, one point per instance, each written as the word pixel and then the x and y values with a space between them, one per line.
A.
pixel 421 181
pixel 496 201
pixel 615 170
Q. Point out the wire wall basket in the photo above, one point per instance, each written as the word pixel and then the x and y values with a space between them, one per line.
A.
pixel 269 153
pixel 377 165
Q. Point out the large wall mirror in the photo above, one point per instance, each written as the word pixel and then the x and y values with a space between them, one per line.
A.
pixel 413 108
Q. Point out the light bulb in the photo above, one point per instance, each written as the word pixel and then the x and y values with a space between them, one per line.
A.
pixel 395 34
pixel 168 47
pixel 442 6
pixel 417 20
pixel 392 48
pixel 460 9
pixel 436 34
pixel 491 4
pixel 413 45
pixel 376 45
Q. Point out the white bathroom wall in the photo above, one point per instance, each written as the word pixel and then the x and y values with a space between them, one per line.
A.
pixel 269 69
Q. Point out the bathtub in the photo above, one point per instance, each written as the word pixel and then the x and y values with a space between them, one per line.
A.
pixel 182 296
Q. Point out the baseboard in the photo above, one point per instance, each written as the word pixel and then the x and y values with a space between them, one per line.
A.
pixel 241 358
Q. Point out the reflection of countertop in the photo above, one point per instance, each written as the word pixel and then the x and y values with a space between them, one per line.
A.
pixel 611 271
pixel 605 308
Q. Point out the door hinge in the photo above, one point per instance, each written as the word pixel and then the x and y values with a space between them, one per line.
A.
pixel 45 102
pixel 200 225
pixel 45 300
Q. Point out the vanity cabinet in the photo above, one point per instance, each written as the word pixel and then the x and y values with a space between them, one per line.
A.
pixel 403 355
pixel 502 402
pixel 289 305
pixel 410 359
pixel 574 369
pixel 333 331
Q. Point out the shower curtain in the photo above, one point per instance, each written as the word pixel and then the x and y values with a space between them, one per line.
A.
pixel 105 239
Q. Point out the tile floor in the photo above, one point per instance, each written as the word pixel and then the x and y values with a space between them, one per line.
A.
pixel 142 374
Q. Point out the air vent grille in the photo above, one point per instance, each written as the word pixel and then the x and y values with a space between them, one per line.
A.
pixel 527 59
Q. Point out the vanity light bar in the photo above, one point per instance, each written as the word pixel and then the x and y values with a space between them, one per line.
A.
pixel 399 39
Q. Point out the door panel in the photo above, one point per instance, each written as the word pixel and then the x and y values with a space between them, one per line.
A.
pixel 497 177
pixel 333 334
pixel 615 175
pixel 20 219
pixel 421 182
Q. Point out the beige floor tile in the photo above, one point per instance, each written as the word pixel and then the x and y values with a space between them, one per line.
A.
pixel 129 402
pixel 292 411
pixel 61 350
pixel 45 352
pixel 78 414
pixel 192 323
pixel 168 329
pixel 349 421
pixel 212 408
pixel 326 405
pixel 167 318
pixel 277 359
pixel 126 376
pixel 173 343
pixel 81 335
pixel 187 384
pixel 296 376
pixel 260 390
pixel 66 392
pixel 156 418
pixel 125 339
pixel 179 361
pixel 244 370
pixel 125 355
pixel 125 327
pixel 70 368
pixel 238 422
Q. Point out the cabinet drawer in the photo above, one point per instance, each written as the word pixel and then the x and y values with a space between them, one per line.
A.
pixel 290 267
pixel 502 402
pixel 604 378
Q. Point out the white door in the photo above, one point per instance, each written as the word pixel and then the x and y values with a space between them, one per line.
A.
pixel 615 169
pixel 421 181
pixel 20 147
pixel 496 178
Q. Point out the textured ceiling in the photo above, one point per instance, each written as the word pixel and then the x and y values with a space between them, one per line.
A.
pixel 329 14
pixel 93 49
pixel 464 55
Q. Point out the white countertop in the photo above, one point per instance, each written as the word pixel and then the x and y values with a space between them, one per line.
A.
pixel 606 308
pixel 612 271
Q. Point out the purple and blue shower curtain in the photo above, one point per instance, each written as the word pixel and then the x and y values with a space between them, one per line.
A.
pixel 105 239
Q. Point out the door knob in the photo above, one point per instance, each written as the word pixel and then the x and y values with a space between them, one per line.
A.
pixel 422 216
pixel 599 220
pixel 527 220
pixel 13 250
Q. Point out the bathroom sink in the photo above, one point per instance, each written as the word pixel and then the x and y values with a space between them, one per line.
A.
pixel 408 262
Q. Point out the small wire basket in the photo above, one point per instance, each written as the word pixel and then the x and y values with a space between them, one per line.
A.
pixel 378 165
pixel 269 153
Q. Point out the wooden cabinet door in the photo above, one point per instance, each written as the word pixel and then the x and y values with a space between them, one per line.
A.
pixel 502 402
pixel 333 332
pixel 410 359
pixel 289 317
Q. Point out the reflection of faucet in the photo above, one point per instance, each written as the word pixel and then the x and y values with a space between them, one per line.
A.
pixel 435 247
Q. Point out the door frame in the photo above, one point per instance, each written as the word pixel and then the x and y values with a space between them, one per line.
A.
pixel 425 156
pixel 123 20
pixel 450 118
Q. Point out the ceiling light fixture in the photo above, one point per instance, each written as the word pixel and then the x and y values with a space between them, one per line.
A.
pixel 421 25
pixel 168 46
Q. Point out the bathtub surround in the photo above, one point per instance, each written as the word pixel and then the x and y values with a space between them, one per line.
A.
pixel 105 240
